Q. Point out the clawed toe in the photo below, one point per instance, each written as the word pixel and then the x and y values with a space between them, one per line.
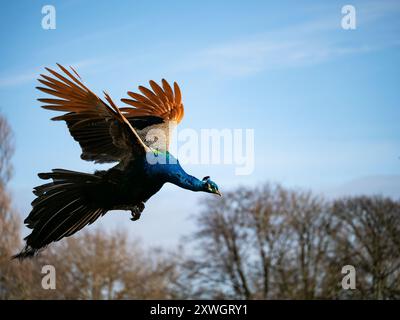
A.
pixel 135 216
pixel 137 211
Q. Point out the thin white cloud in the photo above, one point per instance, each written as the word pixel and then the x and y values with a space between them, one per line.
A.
pixel 309 43
pixel 383 185
pixel 246 57
pixel 17 79
pixel 378 9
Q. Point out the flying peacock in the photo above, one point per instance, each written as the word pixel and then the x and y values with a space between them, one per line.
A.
pixel 137 137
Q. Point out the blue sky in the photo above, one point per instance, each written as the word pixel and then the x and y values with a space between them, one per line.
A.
pixel 323 101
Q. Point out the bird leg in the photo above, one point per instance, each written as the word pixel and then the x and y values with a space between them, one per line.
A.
pixel 136 211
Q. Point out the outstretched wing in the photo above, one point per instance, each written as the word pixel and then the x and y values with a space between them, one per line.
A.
pixel 161 108
pixel 101 129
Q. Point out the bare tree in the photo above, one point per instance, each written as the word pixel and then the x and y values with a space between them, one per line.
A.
pixel 259 243
pixel 369 239
pixel 104 265
pixel 98 265
pixel 308 258
pixel 9 230
pixel 15 279
pixel 6 151
pixel 271 242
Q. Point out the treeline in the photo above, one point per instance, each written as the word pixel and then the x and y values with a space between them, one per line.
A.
pixel 273 243
pixel 266 242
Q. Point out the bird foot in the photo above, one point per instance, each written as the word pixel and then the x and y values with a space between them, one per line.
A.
pixel 136 211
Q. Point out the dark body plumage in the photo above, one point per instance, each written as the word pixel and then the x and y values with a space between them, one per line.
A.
pixel 75 199
pixel 107 133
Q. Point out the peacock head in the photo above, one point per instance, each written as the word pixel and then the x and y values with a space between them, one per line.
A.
pixel 210 186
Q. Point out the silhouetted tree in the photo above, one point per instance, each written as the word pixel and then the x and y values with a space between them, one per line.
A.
pixel 369 239
pixel 259 243
pixel 16 280
pixel 107 265
pixel 271 242
pixel 6 151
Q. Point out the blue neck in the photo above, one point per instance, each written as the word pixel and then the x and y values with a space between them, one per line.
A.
pixel 171 171
pixel 186 181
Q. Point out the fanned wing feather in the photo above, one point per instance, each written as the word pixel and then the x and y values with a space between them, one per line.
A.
pixel 163 102
pixel 101 129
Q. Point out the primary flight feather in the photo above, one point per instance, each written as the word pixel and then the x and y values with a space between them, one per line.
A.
pixel 137 137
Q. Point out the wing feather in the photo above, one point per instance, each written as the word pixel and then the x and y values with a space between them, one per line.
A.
pixel 102 130
pixel 168 91
pixel 161 101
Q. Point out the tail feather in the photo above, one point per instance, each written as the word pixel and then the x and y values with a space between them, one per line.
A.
pixel 61 208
